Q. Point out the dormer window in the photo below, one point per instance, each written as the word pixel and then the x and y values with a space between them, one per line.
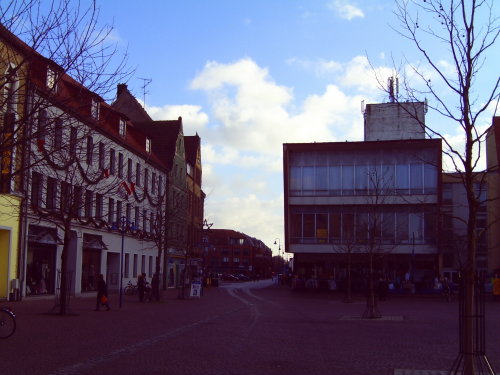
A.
pixel 51 79
pixel 148 145
pixel 94 111
pixel 123 128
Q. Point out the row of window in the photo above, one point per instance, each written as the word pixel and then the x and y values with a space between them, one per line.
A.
pixel 402 178
pixel 350 226
pixel 86 203
pixel 225 251
pixel 214 261
pixel 97 153
pixel 135 265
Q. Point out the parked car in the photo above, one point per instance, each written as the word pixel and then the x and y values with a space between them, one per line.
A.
pixel 242 277
pixel 228 277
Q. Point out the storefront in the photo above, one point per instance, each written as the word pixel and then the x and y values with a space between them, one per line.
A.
pixel 175 271
pixel 41 260
pixel 91 261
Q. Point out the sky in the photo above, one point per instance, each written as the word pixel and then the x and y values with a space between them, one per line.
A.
pixel 250 75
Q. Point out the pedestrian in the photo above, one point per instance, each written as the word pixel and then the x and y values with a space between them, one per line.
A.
pixel 102 294
pixel 383 288
pixel 155 285
pixel 140 286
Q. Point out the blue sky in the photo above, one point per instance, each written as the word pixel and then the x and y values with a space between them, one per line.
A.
pixel 248 76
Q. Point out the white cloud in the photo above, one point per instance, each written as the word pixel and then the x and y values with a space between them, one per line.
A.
pixel 193 119
pixel 251 116
pixel 345 10
pixel 320 67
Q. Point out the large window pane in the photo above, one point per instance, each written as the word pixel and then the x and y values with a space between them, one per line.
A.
pixel 387 183
pixel 388 226
pixel 430 179
pixel 402 226
pixel 347 180
pixel 322 227
pixel 308 227
pixel 402 178
pixel 335 226
pixel 416 178
pixel 375 179
pixel 416 220
pixel 321 180
pixel 361 179
pixel 335 180
pixel 295 180
pixel 347 227
pixel 430 227
pixel 296 227
pixel 308 179
pixel 361 227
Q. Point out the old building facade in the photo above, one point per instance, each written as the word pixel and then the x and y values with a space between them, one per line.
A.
pixel 87 189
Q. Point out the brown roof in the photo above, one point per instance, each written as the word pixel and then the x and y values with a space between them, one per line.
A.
pixel 74 98
pixel 163 136
pixel 191 145
pixel 127 104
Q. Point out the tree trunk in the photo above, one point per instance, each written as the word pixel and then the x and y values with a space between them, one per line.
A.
pixel 63 291
pixel 348 297
pixel 371 310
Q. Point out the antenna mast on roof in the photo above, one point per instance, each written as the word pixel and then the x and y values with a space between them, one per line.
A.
pixel 145 84
pixel 393 88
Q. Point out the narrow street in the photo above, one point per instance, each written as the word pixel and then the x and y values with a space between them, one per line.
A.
pixel 247 328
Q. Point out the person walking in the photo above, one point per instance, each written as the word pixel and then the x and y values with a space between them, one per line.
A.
pixel 102 294
pixel 140 286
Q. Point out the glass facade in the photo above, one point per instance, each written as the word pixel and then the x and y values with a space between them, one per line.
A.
pixel 342 224
pixel 335 174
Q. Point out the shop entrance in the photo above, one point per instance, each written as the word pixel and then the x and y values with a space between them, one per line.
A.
pixel 91 268
pixel 40 273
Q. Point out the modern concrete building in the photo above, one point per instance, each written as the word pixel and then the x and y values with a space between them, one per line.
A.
pixel 346 200
pixel 493 170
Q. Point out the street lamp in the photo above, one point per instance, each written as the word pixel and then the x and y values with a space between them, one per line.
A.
pixel 278 243
pixel 122 226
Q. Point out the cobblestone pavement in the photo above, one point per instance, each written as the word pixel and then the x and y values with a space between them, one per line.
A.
pixel 249 328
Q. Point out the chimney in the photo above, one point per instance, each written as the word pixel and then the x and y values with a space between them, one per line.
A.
pixel 120 89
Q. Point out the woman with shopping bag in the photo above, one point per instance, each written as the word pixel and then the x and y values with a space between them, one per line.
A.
pixel 102 294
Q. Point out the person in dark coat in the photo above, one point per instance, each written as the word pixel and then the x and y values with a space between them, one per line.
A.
pixel 102 291
pixel 141 283
pixel 155 285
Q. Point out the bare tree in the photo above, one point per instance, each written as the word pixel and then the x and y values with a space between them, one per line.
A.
pixel 466 32
pixel 69 184
pixel 65 36
pixel 69 34
pixel 44 43
pixel 371 228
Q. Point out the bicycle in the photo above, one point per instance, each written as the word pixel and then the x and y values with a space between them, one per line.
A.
pixel 130 289
pixel 7 322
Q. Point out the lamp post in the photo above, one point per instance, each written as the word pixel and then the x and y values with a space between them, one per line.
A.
pixel 122 225
pixel 279 252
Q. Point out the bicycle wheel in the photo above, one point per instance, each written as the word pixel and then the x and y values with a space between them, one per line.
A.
pixel 7 324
